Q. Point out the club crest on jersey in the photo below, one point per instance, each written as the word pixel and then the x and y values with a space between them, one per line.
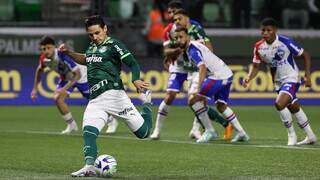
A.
pixel 103 49
pixel 279 55
pixel 94 49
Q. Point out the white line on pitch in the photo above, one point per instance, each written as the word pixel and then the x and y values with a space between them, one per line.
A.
pixel 173 141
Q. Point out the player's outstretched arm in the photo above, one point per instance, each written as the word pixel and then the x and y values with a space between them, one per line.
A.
pixel 78 57
pixel 307 68
pixel 254 69
pixel 37 79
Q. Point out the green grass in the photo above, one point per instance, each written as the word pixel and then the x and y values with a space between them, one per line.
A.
pixel 32 149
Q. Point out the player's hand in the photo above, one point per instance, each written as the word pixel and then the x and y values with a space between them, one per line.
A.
pixel 33 94
pixel 245 82
pixel 140 85
pixel 166 63
pixel 307 81
pixel 63 48
pixel 177 51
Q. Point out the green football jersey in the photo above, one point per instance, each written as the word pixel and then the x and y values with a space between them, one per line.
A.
pixel 104 66
pixel 196 33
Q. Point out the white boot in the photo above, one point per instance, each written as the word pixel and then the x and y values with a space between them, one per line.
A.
pixel 155 135
pixel 72 127
pixel 86 171
pixel 292 139
pixel 112 125
pixel 308 140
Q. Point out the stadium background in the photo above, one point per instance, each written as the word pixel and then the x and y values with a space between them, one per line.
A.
pixel 23 22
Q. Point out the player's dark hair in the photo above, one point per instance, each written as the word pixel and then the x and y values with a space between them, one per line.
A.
pixel 182 12
pixel 45 40
pixel 181 29
pixel 269 22
pixel 177 4
pixel 94 20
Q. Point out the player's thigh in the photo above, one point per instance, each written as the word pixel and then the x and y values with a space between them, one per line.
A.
pixel 95 114
pixel 119 105
pixel 222 94
pixel 175 81
pixel 287 95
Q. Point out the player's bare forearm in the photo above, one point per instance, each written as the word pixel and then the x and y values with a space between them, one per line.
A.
pixel 37 78
pixel 307 63
pixel 202 75
pixel 307 68
pixel 78 57
pixel 171 52
pixel 254 69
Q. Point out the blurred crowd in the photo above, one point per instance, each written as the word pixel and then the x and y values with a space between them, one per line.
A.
pixel 297 14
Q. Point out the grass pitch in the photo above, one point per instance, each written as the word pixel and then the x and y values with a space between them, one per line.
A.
pixel 31 148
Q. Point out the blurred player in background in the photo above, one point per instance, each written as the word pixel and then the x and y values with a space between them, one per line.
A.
pixel 178 75
pixel 214 80
pixel 197 33
pixel 278 52
pixel 103 59
pixel 71 75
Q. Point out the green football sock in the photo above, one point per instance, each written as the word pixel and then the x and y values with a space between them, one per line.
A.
pixel 90 135
pixel 146 113
pixel 215 116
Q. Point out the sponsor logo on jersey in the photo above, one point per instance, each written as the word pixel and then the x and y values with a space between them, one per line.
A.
pixel 103 49
pixel 125 111
pixel 120 51
pixel 93 59
pixel 98 85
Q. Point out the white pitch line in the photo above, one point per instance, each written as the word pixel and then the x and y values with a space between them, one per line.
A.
pixel 175 141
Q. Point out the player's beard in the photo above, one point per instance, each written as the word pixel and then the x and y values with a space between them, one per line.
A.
pixel 182 45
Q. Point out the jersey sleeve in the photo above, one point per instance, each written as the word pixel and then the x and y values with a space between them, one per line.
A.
pixel 120 50
pixel 195 55
pixel 202 34
pixel 68 60
pixel 166 35
pixel 294 48
pixel 41 60
pixel 256 55
pixel 127 58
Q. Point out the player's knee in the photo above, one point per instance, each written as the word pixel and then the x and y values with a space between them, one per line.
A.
pixel 294 108
pixel 221 107
pixel 191 100
pixel 170 97
pixel 279 106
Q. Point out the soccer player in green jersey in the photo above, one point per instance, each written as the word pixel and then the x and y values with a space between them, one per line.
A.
pixel 103 59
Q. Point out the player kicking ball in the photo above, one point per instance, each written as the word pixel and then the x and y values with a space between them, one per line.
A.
pixel 215 79
pixel 104 58
pixel 278 53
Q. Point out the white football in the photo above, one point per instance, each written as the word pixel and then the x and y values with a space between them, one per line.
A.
pixel 106 165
